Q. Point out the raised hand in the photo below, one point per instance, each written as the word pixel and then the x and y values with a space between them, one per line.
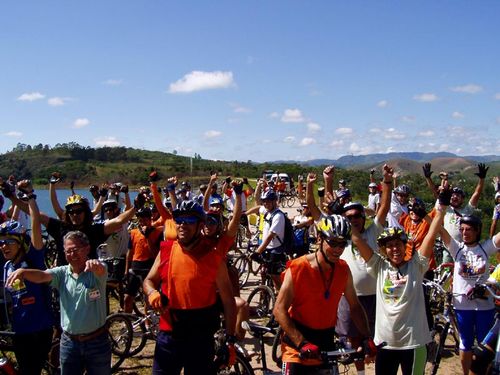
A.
pixel 427 170
pixel 482 170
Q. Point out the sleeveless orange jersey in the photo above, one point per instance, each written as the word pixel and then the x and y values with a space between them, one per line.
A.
pixel 188 278
pixel 309 306
pixel 140 246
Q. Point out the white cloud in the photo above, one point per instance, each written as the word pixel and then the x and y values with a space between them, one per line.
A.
pixel 274 115
pixel 292 115
pixel 289 139
pixel 212 134
pixel 392 133
pixel 426 97
pixel 344 131
pixel 307 141
pixel 240 109
pixel 408 118
pixel 198 81
pixel 113 82
pixel 81 123
pixel 58 101
pixel 337 143
pixel 13 134
pixel 107 142
pixel 313 127
pixel 471 88
pixel 444 147
pixel 428 133
pixel 457 115
pixel 375 130
pixel 382 104
pixel 30 97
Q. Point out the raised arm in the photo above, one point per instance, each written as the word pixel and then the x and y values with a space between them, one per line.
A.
pixel 481 173
pixel 311 203
pixel 385 199
pixel 234 224
pixel 426 168
pixel 55 177
pixel 328 174
pixel 444 201
pixel 365 250
pixel 111 226
pixel 258 191
pixel 208 192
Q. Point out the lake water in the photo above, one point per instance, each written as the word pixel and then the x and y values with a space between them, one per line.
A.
pixel 43 199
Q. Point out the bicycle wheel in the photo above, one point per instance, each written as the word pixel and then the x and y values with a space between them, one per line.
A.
pixel 139 334
pixel 290 201
pixel 120 336
pixel 241 367
pixel 436 347
pixel 242 265
pixel 276 348
pixel 261 303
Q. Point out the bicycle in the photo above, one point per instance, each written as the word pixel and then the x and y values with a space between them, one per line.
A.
pixel 445 323
pixel 119 329
pixel 242 261
pixel 242 365
pixel 259 332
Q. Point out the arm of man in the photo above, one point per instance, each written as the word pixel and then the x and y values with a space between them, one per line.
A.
pixel 265 242
pixel 365 250
pixel 98 205
pixel 35 276
pixel 111 226
pixel 36 229
pixel 151 284
pixel 385 200
pixel 311 203
pixel 95 266
pixel 234 224
pixel 162 210
pixel 55 203
pixel 226 294
pixel 283 303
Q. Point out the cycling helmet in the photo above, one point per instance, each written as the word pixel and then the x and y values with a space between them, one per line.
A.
pixel 391 234
pixel 269 195
pixel 189 208
pixel 472 220
pixel 76 199
pixel 335 227
pixel 402 189
pixel 216 200
pixel 109 202
pixel 459 191
pixel 372 185
pixel 353 206
pixel 11 228
pixel 343 193
pixel 418 206
pixel 144 212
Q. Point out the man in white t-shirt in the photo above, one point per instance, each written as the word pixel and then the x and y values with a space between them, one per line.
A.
pixel 273 236
pixel 474 317
pixel 373 199
pixel 399 204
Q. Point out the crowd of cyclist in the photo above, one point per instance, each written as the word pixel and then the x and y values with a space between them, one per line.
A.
pixel 363 281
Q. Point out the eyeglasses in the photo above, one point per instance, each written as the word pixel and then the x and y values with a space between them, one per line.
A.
pixel 73 251
pixel 75 211
pixel 336 243
pixel 354 216
pixel 108 209
pixel 8 241
pixel 188 220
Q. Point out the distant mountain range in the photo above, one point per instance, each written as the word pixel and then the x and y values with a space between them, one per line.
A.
pixel 351 161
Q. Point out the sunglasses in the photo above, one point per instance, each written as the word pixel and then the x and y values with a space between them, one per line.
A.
pixel 354 216
pixel 336 243
pixel 76 211
pixel 8 241
pixel 188 220
pixel 107 209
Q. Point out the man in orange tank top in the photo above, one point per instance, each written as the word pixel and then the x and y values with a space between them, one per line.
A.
pixel 183 284
pixel 306 307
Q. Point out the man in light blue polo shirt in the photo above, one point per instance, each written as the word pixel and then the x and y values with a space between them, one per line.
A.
pixel 82 294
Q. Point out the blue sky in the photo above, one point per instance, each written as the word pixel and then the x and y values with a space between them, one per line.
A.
pixel 252 80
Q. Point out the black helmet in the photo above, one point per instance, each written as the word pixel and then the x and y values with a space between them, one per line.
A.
pixel 391 234
pixel 402 189
pixel 418 206
pixel 472 220
pixel 459 191
pixel 189 207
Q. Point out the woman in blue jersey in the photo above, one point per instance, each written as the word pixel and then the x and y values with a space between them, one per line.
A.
pixel 31 316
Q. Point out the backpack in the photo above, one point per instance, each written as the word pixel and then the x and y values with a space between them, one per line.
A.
pixel 288 242
pixel 300 237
